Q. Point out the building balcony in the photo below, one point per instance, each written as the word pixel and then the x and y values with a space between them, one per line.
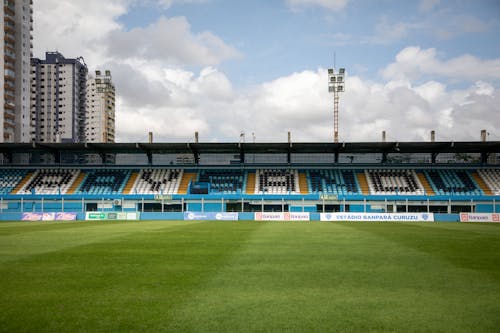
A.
pixel 9 116
pixel 10 39
pixel 9 106
pixel 9 9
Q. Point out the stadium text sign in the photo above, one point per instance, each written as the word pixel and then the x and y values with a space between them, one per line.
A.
pixel 479 217
pixel 189 216
pixel 99 216
pixel 381 217
pixel 286 216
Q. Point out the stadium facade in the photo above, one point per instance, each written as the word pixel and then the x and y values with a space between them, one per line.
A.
pixel 181 180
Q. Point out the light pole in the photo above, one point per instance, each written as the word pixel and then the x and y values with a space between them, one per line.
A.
pixel 335 85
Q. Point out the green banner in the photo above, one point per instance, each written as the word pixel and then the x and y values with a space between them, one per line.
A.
pixel 96 216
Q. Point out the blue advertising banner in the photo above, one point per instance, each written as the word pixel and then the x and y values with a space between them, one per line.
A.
pixel 380 217
pixel 210 216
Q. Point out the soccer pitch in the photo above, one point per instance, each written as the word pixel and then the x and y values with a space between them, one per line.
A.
pixel 154 276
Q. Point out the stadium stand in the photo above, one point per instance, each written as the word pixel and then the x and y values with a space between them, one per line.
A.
pixel 393 181
pixel 275 181
pixel 223 181
pixel 9 179
pixel 332 181
pixel 452 182
pixel 492 179
pixel 104 181
pixel 50 181
pixel 157 181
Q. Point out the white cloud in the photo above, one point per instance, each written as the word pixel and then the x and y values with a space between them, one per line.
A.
pixel 333 5
pixel 414 62
pixel 169 40
pixel 75 33
pixel 301 104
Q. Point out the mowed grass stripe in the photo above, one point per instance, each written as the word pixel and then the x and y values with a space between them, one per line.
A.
pixel 21 239
pixel 340 278
pixel 474 246
pixel 122 284
pixel 251 276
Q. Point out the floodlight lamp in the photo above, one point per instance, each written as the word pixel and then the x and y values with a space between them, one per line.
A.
pixel 341 70
pixel 330 70
pixel 340 88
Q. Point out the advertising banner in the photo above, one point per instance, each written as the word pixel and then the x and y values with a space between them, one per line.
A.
pixel 480 217
pixel 63 216
pixel 286 216
pixel 100 216
pixel 378 217
pixel 189 216
pixel 32 217
pixel 51 216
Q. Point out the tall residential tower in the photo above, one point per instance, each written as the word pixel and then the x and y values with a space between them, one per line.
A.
pixel 58 105
pixel 16 26
pixel 100 116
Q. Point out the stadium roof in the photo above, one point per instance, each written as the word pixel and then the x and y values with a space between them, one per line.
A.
pixel 254 148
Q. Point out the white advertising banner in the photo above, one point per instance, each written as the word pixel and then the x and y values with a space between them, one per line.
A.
pixel 378 217
pixel 287 216
pixel 479 217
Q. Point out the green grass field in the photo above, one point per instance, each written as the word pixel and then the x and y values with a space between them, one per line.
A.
pixel 249 276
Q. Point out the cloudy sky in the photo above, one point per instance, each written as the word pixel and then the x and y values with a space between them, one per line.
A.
pixel 223 67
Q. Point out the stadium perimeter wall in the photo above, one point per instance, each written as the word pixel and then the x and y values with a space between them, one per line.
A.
pixel 80 216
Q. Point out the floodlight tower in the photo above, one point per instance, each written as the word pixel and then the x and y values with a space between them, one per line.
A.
pixel 335 85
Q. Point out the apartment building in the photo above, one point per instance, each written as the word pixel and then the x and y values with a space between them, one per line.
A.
pixel 16 26
pixel 100 114
pixel 58 99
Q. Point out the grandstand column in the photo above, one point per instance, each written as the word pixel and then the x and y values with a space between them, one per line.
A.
pixel 150 157
pixel 484 158
pixel 103 158
pixel 433 158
